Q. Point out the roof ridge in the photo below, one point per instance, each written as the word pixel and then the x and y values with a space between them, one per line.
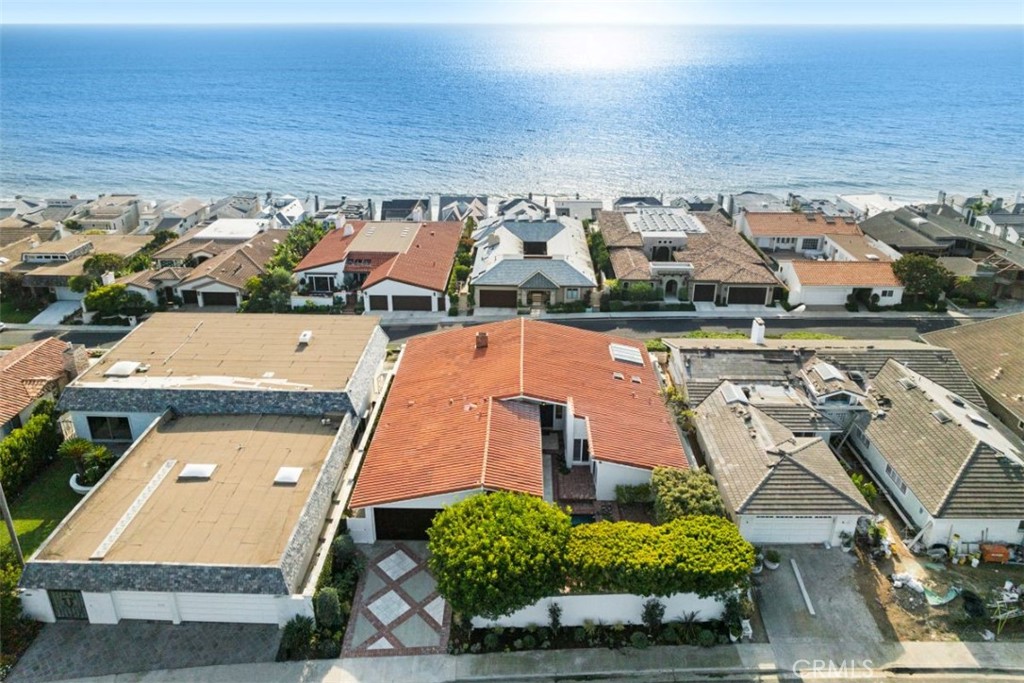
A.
pixel 522 352
pixel 487 440
pixel 816 476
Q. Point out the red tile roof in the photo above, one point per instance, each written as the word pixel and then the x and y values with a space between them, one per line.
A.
pixel 333 248
pixel 845 274
pixel 797 225
pixel 27 371
pixel 452 421
pixel 428 260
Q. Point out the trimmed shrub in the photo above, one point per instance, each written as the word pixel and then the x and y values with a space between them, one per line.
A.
pixel 653 614
pixel 702 555
pixel 296 639
pixel 634 493
pixel 706 638
pixel 28 449
pixel 496 553
pixel 639 640
pixel 327 608
pixel 682 493
pixel 555 616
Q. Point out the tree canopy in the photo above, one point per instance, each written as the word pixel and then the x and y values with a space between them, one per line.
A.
pixel 682 493
pixel 269 292
pixel 117 300
pixel 496 553
pixel 923 277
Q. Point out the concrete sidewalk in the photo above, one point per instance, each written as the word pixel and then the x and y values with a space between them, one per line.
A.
pixel 658 663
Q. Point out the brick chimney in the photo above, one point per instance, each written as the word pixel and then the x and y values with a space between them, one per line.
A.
pixel 481 340
pixel 76 360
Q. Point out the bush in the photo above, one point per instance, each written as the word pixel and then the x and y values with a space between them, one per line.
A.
pixel 91 460
pixel 702 555
pixel 461 273
pixel 453 311
pixel 555 616
pixel 772 555
pixel 615 306
pixel 638 493
pixel 866 488
pixel 491 641
pixel 639 640
pixel 496 553
pixel 706 638
pixel 296 639
pixel 327 608
pixel 653 614
pixel 28 449
pixel 682 493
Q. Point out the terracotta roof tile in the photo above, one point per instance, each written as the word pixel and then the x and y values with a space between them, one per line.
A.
pixel 630 263
pixel 845 273
pixel 26 372
pixel 797 225
pixel 445 427
pixel 235 266
pixel 616 231
pixel 721 255
pixel 333 248
pixel 428 260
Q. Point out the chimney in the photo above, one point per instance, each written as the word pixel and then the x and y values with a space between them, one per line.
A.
pixel 757 332
pixel 76 360
pixel 997 204
pixel 347 230
pixel 942 197
pixel 481 340
pixel 107 278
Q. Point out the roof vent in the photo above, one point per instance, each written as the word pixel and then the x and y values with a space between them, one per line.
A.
pixel 306 336
pixel 481 340
pixel 196 472
pixel 287 476
pixel 956 400
pixel 871 257
pixel 618 375
pixel 636 379
pixel 941 416
pixel 977 419
pixel 907 383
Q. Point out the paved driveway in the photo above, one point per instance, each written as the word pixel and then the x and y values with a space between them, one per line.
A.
pixel 56 312
pixel 396 610
pixel 842 617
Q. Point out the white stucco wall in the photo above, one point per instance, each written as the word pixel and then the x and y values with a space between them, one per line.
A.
pixel 608 475
pixel 138 422
pixel 35 603
pixel 65 294
pixel 607 609
pixel 390 288
pixel 362 528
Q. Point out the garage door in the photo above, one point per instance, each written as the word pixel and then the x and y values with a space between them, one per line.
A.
pixel 493 299
pixel 704 292
pixel 411 303
pixel 378 302
pixel 403 524
pixel 140 605
pixel 747 295
pixel 789 529
pixel 189 296
pixel 219 299
pixel 238 609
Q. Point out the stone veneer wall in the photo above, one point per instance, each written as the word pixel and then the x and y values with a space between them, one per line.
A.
pixel 103 577
pixel 306 534
pixel 204 401
pixel 360 385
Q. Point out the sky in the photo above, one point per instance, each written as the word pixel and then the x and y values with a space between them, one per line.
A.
pixel 660 12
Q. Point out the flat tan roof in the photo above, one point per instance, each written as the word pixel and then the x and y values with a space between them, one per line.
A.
pixel 237 517
pixel 385 236
pixel 238 351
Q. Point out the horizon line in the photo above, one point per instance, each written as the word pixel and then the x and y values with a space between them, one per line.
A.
pixel 535 24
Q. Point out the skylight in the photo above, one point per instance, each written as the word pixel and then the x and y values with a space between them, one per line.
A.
pixel 956 400
pixel 122 368
pixel 626 354
pixel 941 416
pixel 196 471
pixel 732 394
pixel 288 476
pixel 977 419
pixel 908 383
pixel 828 372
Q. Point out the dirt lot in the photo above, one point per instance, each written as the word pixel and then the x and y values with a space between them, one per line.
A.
pixel 906 614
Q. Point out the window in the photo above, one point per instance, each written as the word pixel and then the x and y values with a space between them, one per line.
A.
pixel 572 294
pixel 886 293
pixel 104 428
pixel 809 243
pixel 559 412
pixel 896 479
pixel 320 283
pixel 580 450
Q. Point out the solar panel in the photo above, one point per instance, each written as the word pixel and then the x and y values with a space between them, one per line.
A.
pixel 626 354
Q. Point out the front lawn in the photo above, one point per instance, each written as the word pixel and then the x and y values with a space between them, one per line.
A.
pixel 42 505
pixel 16 311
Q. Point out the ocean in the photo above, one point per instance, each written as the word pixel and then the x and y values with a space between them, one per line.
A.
pixel 393 111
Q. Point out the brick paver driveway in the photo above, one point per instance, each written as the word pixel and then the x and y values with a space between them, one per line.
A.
pixel 396 610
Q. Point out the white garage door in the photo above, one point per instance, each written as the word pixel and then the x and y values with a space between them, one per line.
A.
pixel 140 605
pixel 238 609
pixel 790 529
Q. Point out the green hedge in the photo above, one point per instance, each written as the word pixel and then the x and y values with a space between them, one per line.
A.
pixel 684 493
pixel 28 449
pixel 702 555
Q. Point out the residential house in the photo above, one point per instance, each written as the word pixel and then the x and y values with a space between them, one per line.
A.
pixel 177 217
pixel 32 372
pixel 821 207
pixel 503 406
pixel 830 283
pixel 220 280
pixel 395 266
pixel 523 263
pixel 777 487
pixel 580 209
pixel 236 206
pixel 864 206
pixel 735 204
pixel 337 211
pixel 156 285
pixel 284 211
pixel 796 233
pixel 16 228
pixel 993 355
pixel 113 213
pixel 692 257
pixel 519 208
pixel 49 266
pixel 696 203
pixel 417 210
pixel 454 208
pixel 953 470
pixel 626 204
pixel 238 429
pixel 206 241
